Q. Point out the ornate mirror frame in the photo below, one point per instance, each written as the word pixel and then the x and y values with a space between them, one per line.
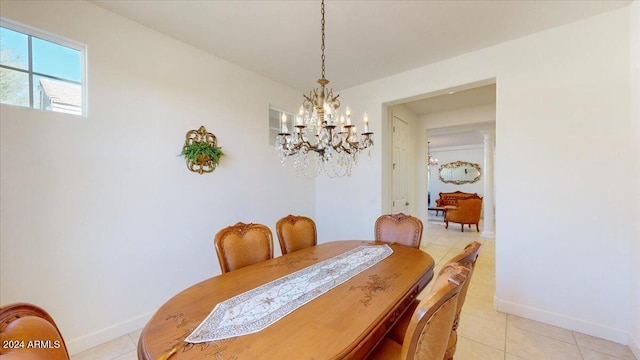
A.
pixel 459 164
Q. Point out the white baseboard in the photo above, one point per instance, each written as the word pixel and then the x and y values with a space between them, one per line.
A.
pixel 488 235
pixel 574 324
pixel 107 334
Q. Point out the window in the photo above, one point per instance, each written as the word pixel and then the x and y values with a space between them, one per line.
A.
pixel 41 71
pixel 275 124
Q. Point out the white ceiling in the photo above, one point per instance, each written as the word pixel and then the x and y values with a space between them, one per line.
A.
pixel 365 40
pixel 475 96
pixel 457 135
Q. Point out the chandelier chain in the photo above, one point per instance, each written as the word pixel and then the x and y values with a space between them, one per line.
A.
pixel 322 47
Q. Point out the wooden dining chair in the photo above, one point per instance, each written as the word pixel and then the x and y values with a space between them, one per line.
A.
pixel 21 323
pixel 242 245
pixel 466 258
pixel 399 228
pixel 428 330
pixel 296 233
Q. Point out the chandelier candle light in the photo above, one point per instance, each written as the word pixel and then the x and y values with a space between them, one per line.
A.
pixel 431 161
pixel 336 145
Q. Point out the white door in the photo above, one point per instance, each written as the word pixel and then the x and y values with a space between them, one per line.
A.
pixel 400 167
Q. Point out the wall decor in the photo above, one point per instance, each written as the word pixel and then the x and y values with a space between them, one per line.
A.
pixel 201 151
pixel 459 172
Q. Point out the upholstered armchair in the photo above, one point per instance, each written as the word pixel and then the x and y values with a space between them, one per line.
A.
pixel 467 212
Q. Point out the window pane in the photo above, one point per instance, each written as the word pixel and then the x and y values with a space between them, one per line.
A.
pixel 14 87
pixel 14 49
pixel 55 95
pixel 274 119
pixel 272 136
pixel 39 73
pixel 56 60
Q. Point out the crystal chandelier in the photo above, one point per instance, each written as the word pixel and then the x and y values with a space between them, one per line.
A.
pixel 431 160
pixel 334 144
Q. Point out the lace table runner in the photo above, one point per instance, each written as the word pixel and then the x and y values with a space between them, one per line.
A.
pixel 256 309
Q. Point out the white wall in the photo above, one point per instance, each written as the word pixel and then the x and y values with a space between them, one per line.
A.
pixel 101 222
pixel 562 108
pixel 634 333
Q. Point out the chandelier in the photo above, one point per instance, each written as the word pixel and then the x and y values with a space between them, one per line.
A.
pixel 322 138
pixel 431 160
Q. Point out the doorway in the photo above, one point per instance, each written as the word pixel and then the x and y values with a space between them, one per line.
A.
pixel 452 121
pixel 400 166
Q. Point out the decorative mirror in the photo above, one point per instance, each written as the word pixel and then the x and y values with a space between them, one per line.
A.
pixel 459 172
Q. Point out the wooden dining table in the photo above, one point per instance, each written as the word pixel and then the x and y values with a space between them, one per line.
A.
pixel 346 322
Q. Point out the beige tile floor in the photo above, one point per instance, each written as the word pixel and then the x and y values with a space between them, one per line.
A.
pixel 484 334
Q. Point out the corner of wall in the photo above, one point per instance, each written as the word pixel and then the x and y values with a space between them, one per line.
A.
pixel 101 336
pixel 634 113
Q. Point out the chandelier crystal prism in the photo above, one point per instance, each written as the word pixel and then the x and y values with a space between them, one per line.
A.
pixel 322 138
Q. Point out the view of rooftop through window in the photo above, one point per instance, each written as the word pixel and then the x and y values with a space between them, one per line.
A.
pixel 40 71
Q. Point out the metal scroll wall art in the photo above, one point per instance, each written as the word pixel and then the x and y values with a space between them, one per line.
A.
pixel 201 151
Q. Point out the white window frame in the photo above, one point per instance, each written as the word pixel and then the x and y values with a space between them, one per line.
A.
pixel 56 39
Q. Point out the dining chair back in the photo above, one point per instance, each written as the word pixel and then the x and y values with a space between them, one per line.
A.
pixel 466 258
pixel 428 330
pixel 399 228
pixel 296 233
pixel 242 245
pixel 21 326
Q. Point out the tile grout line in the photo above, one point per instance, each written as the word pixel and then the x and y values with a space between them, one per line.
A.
pixel 466 313
pixel 573 335
pixel 545 335
pixel 481 343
